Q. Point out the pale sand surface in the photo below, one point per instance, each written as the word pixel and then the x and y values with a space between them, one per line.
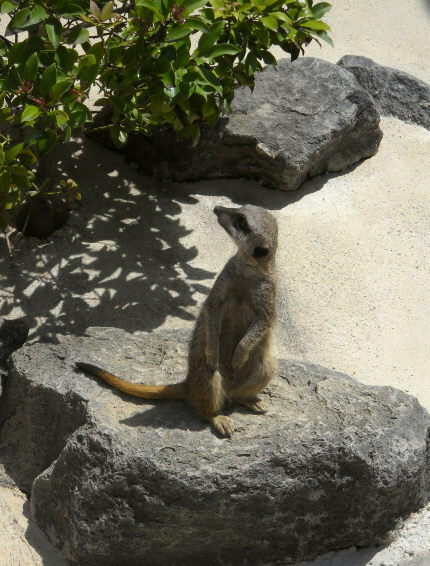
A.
pixel 353 261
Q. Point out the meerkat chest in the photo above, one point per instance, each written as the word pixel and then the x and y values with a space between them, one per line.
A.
pixel 237 314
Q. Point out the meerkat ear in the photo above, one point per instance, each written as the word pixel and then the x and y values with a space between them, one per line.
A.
pixel 260 252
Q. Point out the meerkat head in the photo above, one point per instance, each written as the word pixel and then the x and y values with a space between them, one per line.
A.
pixel 253 229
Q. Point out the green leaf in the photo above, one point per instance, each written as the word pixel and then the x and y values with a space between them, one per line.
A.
pixel 59 89
pixel 94 9
pixel 191 7
pixel 30 113
pixel 106 12
pixel 320 9
pixel 53 31
pixel 282 16
pixel 270 22
pixel 268 58
pixel 87 68
pixel 4 182
pixel 209 109
pixel 61 118
pixel 148 5
pixel 207 40
pixel 67 9
pixel 78 35
pixel 20 175
pixel 16 52
pixel 182 57
pixel 178 33
pixel 13 152
pixel 118 135
pixel 38 13
pixel 162 7
pixel 65 58
pixel 315 24
pixel 98 50
pixel 49 78
pixel 19 19
pixel 31 67
pixel 221 49
pixel 211 79
pixel 325 37
pixel 252 65
pixel 79 114
pixel 45 144
pixel 198 24
pixel 5 113
pixel 217 4
pixel 7 7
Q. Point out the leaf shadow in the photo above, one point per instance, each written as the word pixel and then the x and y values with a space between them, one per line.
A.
pixel 119 263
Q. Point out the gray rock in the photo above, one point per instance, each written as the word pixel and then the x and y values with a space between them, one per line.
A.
pixel 396 93
pixel 118 480
pixel 301 120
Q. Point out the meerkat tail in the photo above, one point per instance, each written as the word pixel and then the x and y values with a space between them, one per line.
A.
pixel 174 391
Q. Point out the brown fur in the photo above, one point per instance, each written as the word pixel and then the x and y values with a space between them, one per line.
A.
pixel 229 357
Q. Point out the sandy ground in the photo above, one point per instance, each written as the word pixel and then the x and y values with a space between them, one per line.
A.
pixel 353 261
pixel 22 543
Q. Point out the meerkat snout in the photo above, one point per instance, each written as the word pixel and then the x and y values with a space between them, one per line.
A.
pixel 253 230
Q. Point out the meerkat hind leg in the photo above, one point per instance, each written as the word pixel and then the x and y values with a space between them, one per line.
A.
pixel 254 403
pixel 258 380
pixel 208 398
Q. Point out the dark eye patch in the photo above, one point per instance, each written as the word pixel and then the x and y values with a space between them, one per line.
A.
pixel 261 252
pixel 241 224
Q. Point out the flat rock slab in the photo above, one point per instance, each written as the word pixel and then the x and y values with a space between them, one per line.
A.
pixel 301 120
pixel 396 93
pixel 117 480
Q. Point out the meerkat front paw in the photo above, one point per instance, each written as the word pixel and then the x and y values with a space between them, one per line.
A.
pixel 223 424
pixel 239 359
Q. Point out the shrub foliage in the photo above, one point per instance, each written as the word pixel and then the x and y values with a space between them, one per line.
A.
pixel 151 62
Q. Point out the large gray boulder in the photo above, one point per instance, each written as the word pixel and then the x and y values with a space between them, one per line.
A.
pixel 117 480
pixel 396 93
pixel 301 120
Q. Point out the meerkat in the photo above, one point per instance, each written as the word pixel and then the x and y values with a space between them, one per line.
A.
pixel 229 358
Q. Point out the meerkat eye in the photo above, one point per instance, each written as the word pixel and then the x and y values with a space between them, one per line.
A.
pixel 240 223
pixel 260 252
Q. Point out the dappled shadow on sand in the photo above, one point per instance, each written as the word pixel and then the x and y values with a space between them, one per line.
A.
pixel 120 262
pixel 125 260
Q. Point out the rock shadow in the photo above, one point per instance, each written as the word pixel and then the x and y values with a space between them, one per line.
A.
pixel 246 191
pixel 178 415
pixel 37 539
pixel 119 263
pixel 168 415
